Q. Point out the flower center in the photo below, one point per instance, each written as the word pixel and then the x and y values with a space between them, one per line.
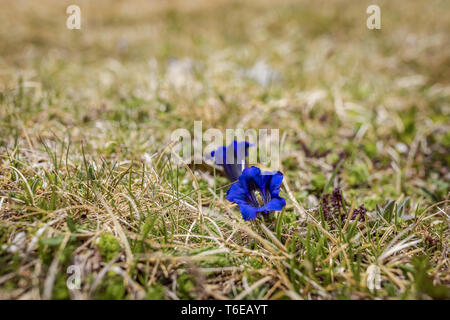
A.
pixel 256 196
pixel 259 198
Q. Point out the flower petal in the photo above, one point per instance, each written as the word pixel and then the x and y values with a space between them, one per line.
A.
pixel 219 155
pixel 236 193
pixel 241 150
pixel 233 171
pixel 232 157
pixel 275 184
pixel 248 212
pixel 276 204
pixel 249 175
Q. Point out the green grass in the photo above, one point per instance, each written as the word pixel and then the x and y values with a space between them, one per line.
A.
pixel 86 178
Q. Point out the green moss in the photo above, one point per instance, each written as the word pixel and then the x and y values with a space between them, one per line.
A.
pixel 108 245
pixel 60 290
pixel 370 203
pixel 112 288
pixel 358 174
pixel 186 286
pixel 155 292
pixel 318 182
pixel 370 149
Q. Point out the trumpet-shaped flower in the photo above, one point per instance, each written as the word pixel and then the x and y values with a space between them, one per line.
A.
pixel 232 158
pixel 257 192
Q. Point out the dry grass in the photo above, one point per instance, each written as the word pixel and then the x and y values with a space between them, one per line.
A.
pixel 86 177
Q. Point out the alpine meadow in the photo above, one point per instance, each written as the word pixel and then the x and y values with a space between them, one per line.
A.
pixel 98 201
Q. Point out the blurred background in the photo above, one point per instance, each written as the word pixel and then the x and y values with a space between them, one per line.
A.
pixel 139 69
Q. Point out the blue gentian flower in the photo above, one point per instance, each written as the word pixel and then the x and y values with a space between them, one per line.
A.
pixel 232 158
pixel 256 192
